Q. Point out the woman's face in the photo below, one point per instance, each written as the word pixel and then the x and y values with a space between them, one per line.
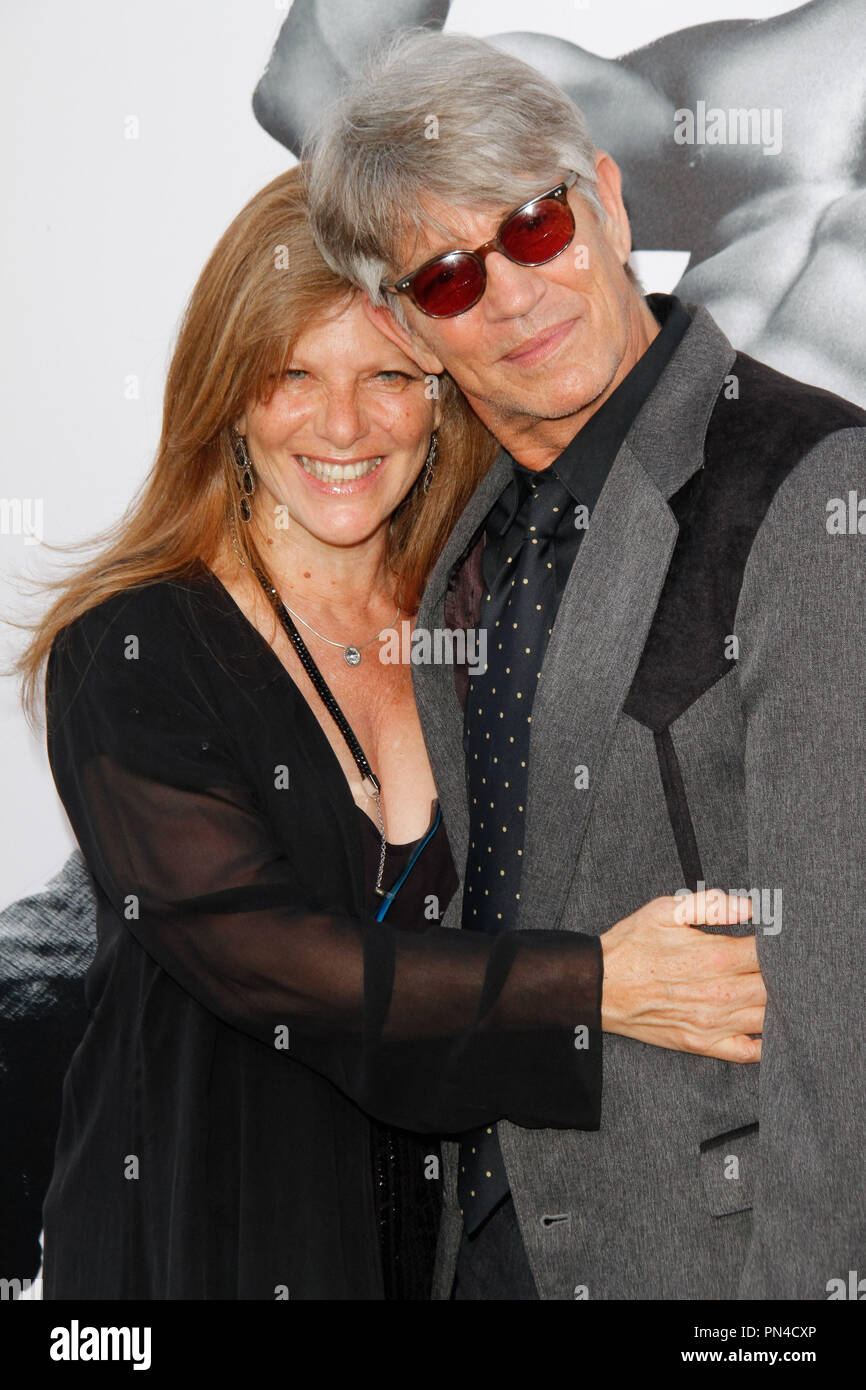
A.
pixel 345 434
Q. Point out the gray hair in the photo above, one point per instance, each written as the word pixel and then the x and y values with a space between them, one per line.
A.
pixel 446 117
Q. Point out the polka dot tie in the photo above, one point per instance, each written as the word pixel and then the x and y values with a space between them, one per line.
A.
pixel 518 616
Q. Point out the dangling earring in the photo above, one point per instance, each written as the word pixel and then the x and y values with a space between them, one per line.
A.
pixel 245 477
pixel 233 532
pixel 430 461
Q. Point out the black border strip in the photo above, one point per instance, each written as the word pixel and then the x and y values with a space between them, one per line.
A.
pixel 678 809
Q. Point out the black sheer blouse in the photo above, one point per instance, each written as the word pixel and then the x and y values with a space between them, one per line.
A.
pixel 247 1015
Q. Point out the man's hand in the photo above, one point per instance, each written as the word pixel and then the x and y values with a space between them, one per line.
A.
pixel 672 986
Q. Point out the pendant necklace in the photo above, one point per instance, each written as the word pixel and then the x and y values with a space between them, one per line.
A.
pixel 352 652
pixel 369 780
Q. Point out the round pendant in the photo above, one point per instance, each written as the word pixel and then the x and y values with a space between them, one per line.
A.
pixel 352 655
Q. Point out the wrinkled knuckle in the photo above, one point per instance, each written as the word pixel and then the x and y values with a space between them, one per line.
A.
pixel 705 993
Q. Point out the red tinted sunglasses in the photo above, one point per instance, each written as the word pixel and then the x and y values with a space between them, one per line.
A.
pixel 454 281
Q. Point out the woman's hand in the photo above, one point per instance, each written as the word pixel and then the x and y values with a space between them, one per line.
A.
pixel 667 984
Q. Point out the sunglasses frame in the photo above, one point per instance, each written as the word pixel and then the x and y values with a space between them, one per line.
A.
pixel 559 193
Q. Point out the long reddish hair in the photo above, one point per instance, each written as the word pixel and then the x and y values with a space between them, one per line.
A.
pixel 263 284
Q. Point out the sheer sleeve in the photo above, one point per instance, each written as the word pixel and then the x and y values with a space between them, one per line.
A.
pixel 433 1031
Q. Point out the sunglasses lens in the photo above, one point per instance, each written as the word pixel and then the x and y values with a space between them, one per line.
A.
pixel 538 233
pixel 449 285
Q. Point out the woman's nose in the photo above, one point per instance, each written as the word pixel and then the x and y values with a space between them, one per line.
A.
pixel 342 419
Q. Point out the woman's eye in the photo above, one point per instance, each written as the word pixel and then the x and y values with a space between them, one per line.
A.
pixel 295 374
pixel 395 375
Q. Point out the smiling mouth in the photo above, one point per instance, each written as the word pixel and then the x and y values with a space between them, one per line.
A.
pixel 327 472
pixel 538 345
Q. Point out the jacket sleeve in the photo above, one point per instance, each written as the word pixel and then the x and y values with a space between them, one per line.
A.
pixel 801 623
pixel 435 1031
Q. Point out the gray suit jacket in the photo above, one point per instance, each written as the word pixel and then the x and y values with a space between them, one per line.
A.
pixel 707 669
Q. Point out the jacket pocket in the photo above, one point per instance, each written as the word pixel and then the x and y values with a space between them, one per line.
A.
pixel 729 1169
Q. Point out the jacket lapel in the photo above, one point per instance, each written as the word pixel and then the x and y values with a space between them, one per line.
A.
pixel 459 542
pixel 594 649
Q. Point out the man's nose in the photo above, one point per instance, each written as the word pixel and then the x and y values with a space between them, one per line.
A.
pixel 512 289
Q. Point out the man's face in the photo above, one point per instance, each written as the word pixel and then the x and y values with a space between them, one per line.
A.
pixel 543 342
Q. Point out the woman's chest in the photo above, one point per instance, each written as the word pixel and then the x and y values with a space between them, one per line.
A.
pixel 380 711
pixel 302 765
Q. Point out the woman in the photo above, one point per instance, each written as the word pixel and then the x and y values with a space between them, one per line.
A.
pixel 249 786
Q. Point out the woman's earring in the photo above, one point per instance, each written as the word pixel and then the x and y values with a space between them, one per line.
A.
pixel 245 477
pixel 430 462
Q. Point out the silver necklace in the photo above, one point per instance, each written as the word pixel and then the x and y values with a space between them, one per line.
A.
pixel 352 652
pixel 370 782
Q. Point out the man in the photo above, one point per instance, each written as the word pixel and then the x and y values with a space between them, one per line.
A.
pixel 669 549
pixel 773 241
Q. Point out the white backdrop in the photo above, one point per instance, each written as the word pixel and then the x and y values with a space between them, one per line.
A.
pixel 102 238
